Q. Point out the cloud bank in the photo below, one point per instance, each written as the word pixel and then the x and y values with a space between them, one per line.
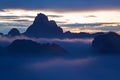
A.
pixel 88 68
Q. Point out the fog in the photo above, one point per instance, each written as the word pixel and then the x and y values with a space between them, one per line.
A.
pixel 89 68
pixel 80 63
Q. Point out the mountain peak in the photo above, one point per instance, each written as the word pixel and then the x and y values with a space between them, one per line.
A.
pixel 107 43
pixel 40 18
pixel 13 32
pixel 42 27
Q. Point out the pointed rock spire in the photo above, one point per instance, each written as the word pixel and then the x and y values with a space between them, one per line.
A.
pixel 44 28
pixel 40 18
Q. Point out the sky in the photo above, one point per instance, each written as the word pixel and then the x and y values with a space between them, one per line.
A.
pixel 71 15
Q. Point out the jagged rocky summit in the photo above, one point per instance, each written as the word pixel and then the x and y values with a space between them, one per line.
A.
pixel 42 27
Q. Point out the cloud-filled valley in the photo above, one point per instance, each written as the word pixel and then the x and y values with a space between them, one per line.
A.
pixel 44 51
pixel 86 68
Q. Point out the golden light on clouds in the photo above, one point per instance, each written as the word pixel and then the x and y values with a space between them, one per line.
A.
pixel 69 17
pixel 93 17
pixel 78 30
pixel 63 18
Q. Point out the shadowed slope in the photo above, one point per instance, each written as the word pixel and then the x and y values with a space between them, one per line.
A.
pixel 42 27
pixel 29 46
pixel 107 43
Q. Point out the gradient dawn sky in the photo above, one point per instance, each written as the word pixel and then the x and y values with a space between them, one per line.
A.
pixel 72 15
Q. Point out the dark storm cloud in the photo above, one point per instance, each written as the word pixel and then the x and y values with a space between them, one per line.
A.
pixel 96 26
pixel 89 24
pixel 90 16
pixel 22 20
pixel 111 28
pixel 15 17
pixel 54 16
pixel 9 17
pixel 9 25
pixel 60 22
pixel 61 4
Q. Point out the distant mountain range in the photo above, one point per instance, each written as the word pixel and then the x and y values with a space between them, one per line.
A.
pixel 43 28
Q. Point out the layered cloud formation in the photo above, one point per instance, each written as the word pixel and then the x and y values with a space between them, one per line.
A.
pixel 61 5
pixel 75 16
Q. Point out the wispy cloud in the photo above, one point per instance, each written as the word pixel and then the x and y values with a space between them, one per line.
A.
pixel 90 16
pixel 92 27
pixel 61 63
pixel 88 24
pixel 55 16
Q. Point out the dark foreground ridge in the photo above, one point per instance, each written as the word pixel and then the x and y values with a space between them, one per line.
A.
pixel 27 47
pixel 107 43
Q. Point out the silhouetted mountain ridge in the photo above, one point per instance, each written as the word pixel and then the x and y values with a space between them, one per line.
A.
pixel 43 28
pixel 13 32
pixel 29 46
pixel 107 43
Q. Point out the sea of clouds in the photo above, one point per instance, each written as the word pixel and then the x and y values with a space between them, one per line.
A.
pixel 81 63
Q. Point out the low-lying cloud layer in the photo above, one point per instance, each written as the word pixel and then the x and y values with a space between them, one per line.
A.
pixel 88 68
pixel 79 64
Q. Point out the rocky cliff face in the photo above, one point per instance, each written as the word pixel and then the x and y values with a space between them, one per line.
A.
pixel 42 27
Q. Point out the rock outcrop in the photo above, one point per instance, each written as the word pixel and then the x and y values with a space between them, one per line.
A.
pixel 107 43
pixel 44 28
pixel 13 32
